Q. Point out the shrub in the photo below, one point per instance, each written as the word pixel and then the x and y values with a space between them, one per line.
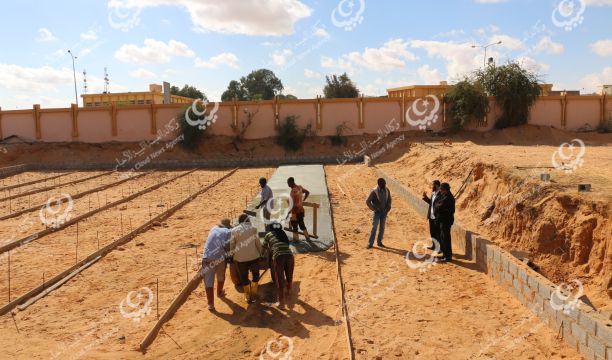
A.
pixel 192 135
pixel 339 138
pixel 515 89
pixel 289 136
pixel 467 102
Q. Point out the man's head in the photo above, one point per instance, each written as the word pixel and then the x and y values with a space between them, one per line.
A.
pixel 262 182
pixel 435 185
pixel 382 183
pixel 226 223
pixel 243 218
pixel 444 188
pixel 291 182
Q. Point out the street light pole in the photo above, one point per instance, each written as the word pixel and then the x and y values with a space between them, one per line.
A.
pixel 485 47
pixel 76 96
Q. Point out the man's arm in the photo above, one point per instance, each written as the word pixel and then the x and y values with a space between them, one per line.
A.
pixel 389 202
pixel 306 193
pixel 426 198
pixel 369 202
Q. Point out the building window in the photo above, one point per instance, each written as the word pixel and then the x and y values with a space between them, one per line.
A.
pixel 141 102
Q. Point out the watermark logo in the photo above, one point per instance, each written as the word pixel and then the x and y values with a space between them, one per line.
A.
pixel 277 349
pixel 123 16
pixel 3 150
pixel 569 14
pixel 56 211
pixel 348 14
pixel 419 253
pixel 199 109
pixel 137 304
pixel 425 117
pixel 568 156
pixel 567 296
pixel 278 207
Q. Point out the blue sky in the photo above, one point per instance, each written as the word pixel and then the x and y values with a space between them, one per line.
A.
pixel 205 43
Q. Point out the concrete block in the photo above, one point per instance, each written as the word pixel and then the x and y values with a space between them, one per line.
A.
pixel 522 274
pixel 604 331
pixel 586 319
pixel 512 268
pixel 609 353
pixel 579 333
pixel 596 346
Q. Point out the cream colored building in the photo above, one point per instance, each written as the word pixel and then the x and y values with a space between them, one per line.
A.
pixel 155 95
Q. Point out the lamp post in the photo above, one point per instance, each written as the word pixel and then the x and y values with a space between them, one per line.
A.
pixel 76 96
pixel 485 47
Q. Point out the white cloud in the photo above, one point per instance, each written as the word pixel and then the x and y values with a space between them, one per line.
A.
pixel 507 42
pixel 392 55
pixel 42 79
pixel 142 74
pixel 227 59
pixel 532 65
pixel 153 52
pixel 461 58
pixel 341 64
pixel 44 35
pixel 599 2
pixel 89 35
pixel 321 33
pixel 280 57
pixel 429 76
pixel 311 74
pixel 602 47
pixel 248 17
pixel 547 45
pixel 591 81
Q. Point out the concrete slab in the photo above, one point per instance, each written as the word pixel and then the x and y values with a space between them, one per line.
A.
pixel 312 178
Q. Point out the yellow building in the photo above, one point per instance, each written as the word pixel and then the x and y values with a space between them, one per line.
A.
pixel 419 90
pixel 155 95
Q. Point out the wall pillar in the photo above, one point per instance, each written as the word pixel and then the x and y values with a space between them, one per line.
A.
pixel 114 119
pixel 74 114
pixel 36 113
pixel 153 111
pixel 564 111
pixel 403 110
pixel 235 113
pixel 318 107
pixel 276 112
pixel 361 120
pixel 1 136
pixel 602 118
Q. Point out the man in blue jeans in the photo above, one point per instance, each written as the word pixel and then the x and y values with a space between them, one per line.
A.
pixel 379 201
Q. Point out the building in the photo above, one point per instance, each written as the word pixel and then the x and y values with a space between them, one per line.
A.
pixel 156 95
pixel 419 90
pixel 605 90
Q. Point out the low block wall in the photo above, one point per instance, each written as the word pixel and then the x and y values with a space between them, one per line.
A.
pixel 12 170
pixel 581 327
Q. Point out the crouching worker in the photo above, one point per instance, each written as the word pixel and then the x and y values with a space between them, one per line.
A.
pixel 246 250
pixel 281 260
pixel 213 261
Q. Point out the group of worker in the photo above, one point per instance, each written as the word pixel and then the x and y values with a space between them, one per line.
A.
pixel 240 246
pixel 440 214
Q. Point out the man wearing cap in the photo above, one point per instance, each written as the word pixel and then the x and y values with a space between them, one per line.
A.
pixel 245 248
pixel 434 228
pixel 213 260
pixel 444 212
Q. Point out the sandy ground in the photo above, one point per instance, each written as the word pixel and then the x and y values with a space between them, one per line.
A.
pixel 566 232
pixel 448 311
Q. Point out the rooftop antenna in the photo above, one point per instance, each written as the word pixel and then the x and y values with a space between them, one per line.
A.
pixel 84 81
pixel 106 80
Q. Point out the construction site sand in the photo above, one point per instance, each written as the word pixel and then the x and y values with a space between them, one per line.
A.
pixel 396 311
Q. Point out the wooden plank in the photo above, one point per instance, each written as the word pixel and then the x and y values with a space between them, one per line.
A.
pixel 10 187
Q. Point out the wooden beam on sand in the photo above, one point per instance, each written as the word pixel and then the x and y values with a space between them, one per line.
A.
pixel 74 197
pixel 171 310
pixel 97 255
pixel 10 187
pixel 19 242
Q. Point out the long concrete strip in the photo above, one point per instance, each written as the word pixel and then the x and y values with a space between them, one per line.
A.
pixel 312 178
pixel 42 233
pixel 33 295
pixel 10 187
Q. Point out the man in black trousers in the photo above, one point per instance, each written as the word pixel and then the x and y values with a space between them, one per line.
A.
pixel 444 211
pixel 434 228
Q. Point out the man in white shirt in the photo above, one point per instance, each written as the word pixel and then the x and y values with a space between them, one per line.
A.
pixel 434 227
pixel 213 260
pixel 266 194
pixel 245 248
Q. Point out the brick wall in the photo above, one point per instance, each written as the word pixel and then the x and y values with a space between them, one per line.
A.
pixel 581 327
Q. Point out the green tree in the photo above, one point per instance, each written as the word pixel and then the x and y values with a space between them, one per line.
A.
pixel 260 84
pixel 515 89
pixel 287 97
pixel 467 102
pixel 340 87
pixel 187 91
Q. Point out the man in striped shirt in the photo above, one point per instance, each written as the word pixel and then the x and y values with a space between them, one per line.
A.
pixel 281 261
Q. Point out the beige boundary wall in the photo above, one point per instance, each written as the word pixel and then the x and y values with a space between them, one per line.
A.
pixel 581 327
pixel 133 123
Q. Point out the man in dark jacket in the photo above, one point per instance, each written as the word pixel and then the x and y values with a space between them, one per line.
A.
pixel 379 201
pixel 434 229
pixel 444 212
